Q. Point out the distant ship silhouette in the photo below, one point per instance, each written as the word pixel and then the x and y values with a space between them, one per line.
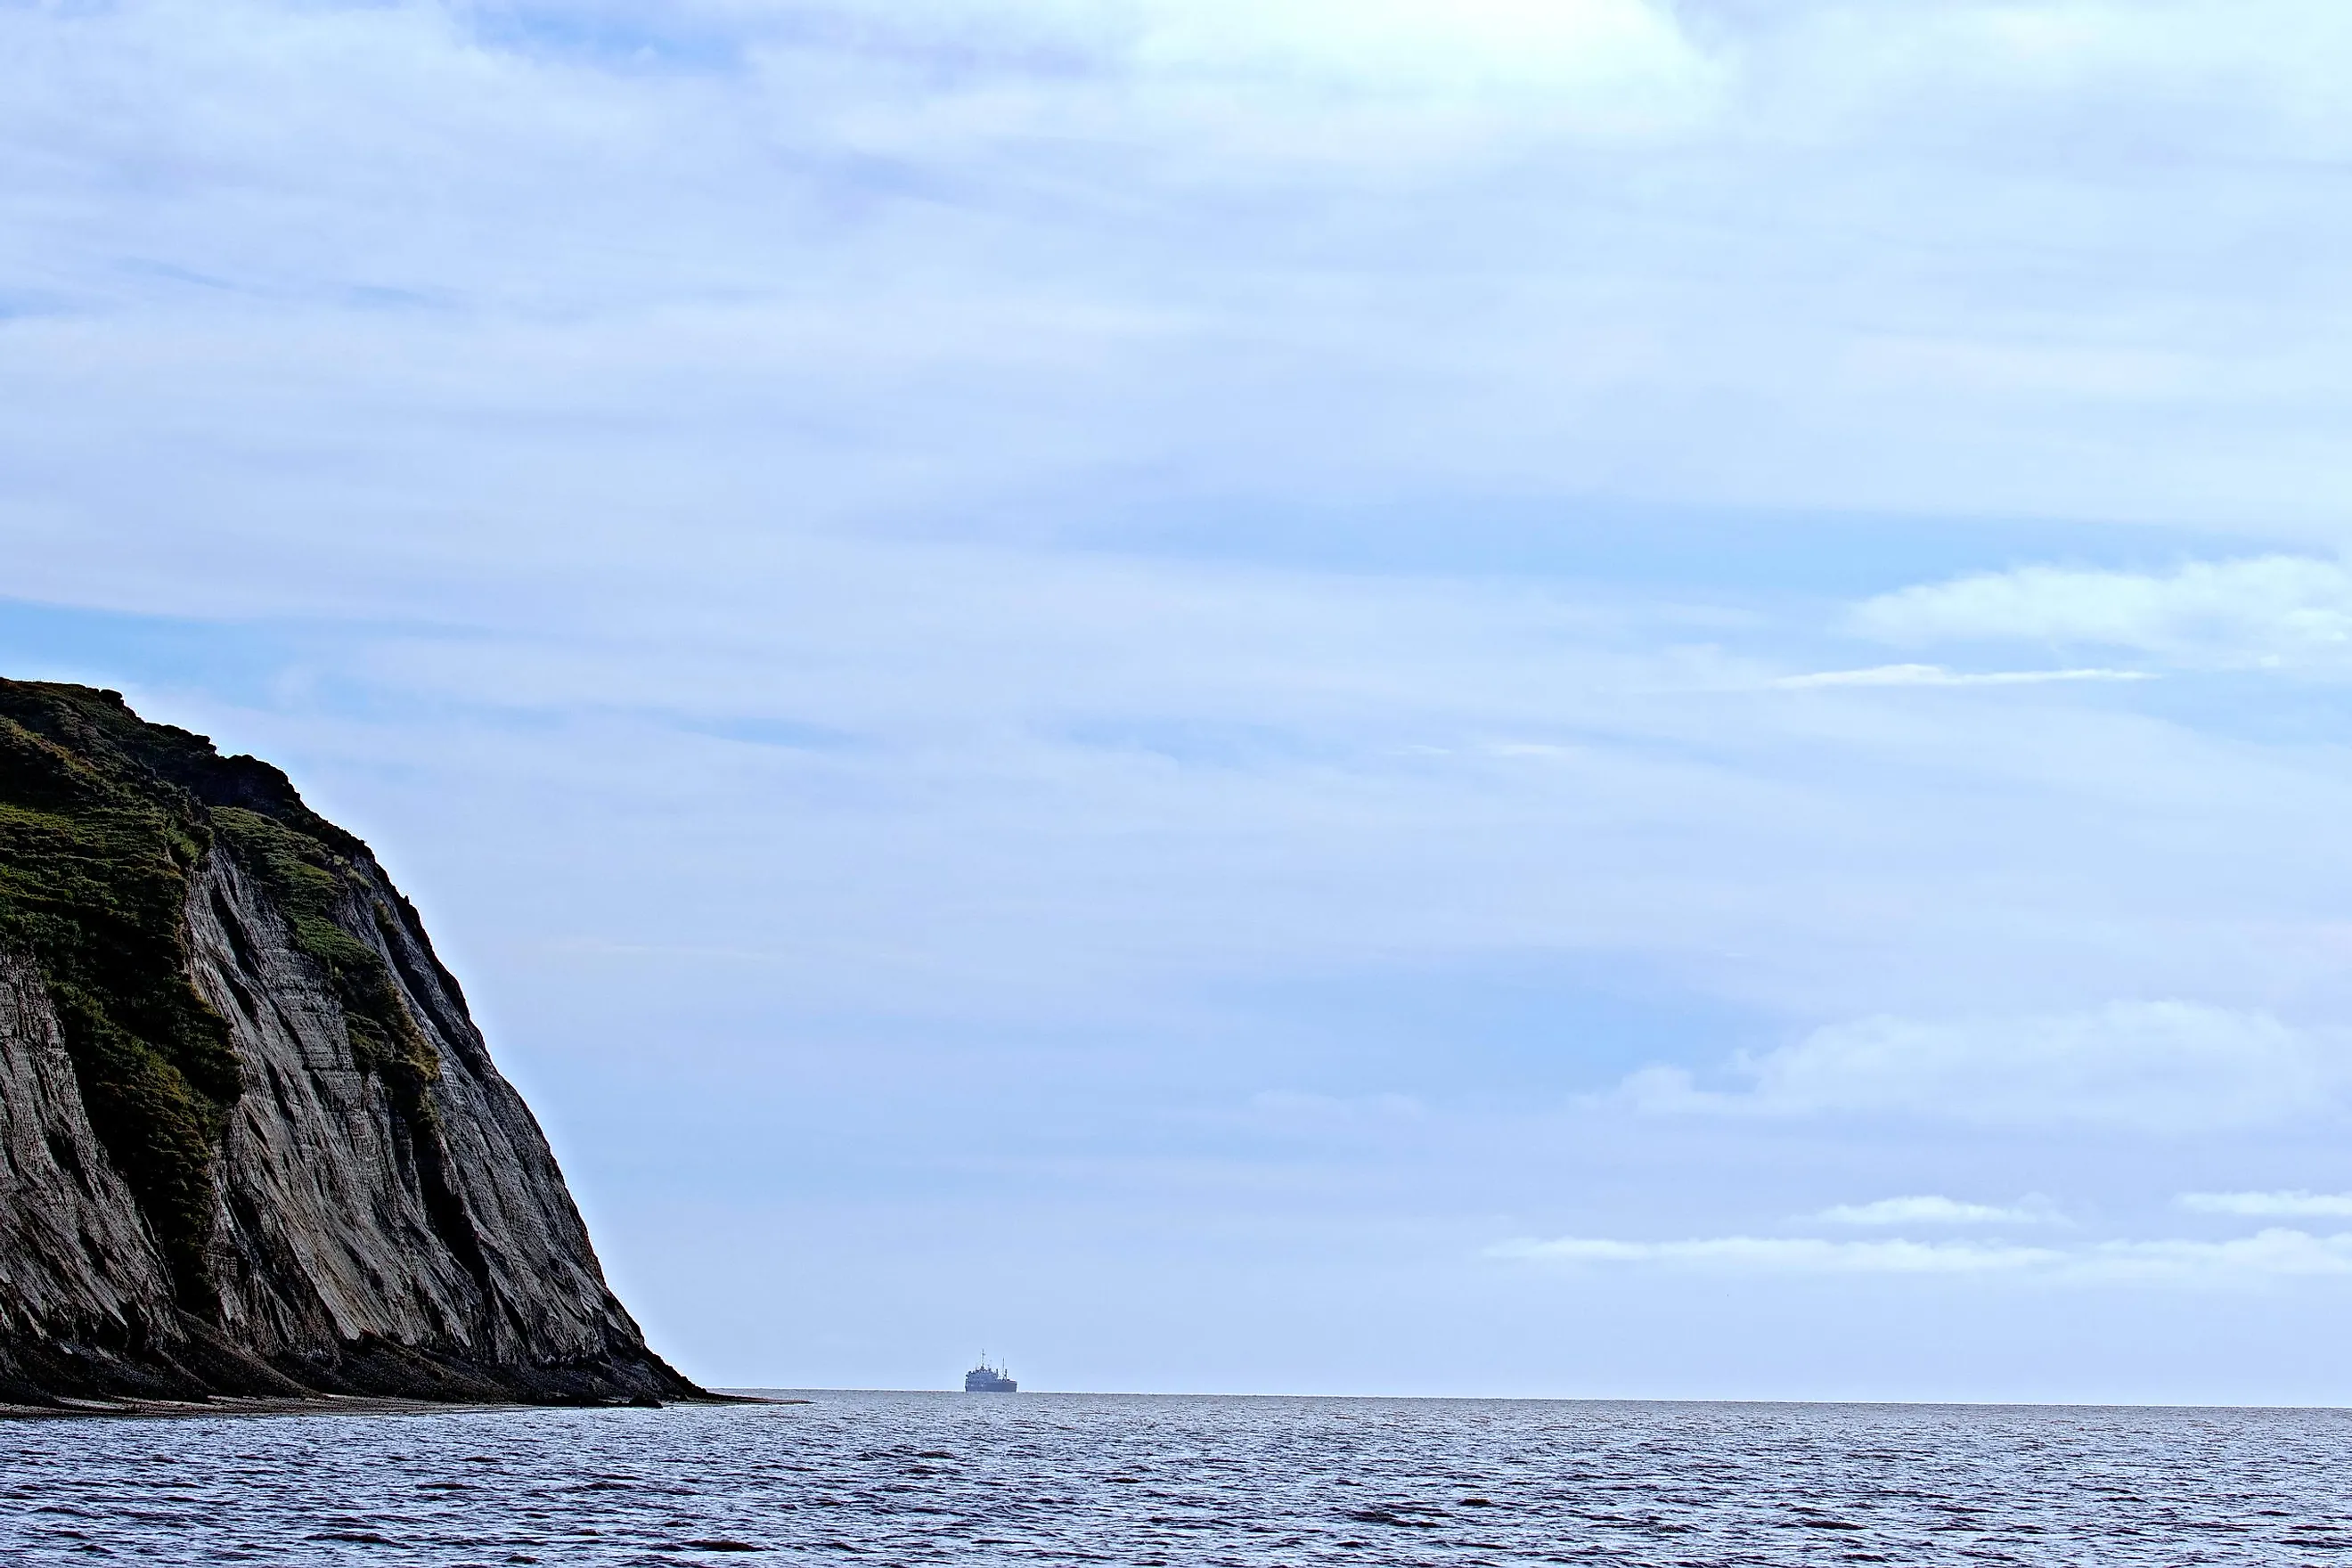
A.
pixel 987 1379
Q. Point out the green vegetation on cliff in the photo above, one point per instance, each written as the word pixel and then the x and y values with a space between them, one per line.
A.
pixel 308 881
pixel 104 820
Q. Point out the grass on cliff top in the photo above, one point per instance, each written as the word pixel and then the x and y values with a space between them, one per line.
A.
pixel 104 818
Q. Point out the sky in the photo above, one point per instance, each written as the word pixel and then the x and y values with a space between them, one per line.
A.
pixel 1485 697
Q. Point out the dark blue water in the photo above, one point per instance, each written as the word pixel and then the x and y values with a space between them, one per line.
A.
pixel 1078 1479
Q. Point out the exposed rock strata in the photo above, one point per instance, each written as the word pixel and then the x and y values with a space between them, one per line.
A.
pixel 250 1140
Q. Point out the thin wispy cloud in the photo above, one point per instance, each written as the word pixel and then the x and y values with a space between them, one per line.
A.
pixel 1793 1255
pixel 2275 1254
pixel 1930 1210
pixel 1617 65
pixel 1936 675
pixel 2259 611
pixel 2281 1205
pixel 2156 1067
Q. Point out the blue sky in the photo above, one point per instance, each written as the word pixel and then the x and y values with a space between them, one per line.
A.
pixel 1513 697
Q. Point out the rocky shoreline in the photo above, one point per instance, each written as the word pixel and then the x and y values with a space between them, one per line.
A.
pixel 213 1407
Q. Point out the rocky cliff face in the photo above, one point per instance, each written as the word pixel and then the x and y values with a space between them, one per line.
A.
pixel 250 1140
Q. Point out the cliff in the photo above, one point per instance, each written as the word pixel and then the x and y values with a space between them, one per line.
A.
pixel 250 1140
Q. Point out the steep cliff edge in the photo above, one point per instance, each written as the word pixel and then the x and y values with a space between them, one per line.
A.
pixel 250 1140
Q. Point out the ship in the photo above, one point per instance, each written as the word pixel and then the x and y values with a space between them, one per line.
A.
pixel 987 1379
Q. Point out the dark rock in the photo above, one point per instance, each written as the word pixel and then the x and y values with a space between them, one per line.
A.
pixel 251 1142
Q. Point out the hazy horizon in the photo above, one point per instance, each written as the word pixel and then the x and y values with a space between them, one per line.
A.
pixel 1542 1399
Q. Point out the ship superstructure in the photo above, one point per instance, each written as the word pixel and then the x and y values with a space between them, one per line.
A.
pixel 987 1379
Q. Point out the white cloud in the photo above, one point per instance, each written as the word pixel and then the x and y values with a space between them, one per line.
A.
pixel 1609 50
pixel 2278 1205
pixel 2151 1066
pixel 1933 1211
pixel 2269 609
pixel 2270 1255
pixel 1842 63
pixel 1936 675
pixel 1624 58
pixel 1800 1255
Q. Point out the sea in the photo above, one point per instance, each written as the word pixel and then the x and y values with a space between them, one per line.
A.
pixel 893 1479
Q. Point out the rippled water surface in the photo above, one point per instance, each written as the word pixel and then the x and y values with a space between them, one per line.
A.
pixel 1074 1478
